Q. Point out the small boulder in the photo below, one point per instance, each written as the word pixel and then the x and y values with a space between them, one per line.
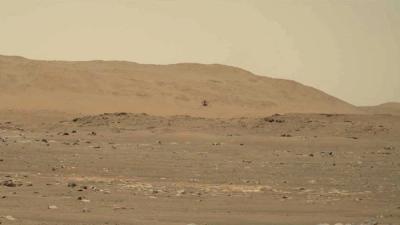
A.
pixel 52 207
pixel 11 218
pixel 11 183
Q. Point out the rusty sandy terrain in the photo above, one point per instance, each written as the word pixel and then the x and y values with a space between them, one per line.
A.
pixel 140 169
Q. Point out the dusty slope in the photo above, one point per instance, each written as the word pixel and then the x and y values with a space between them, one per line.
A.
pixel 392 108
pixel 115 86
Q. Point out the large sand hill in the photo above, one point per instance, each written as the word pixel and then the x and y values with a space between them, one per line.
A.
pixel 114 86
pixel 392 108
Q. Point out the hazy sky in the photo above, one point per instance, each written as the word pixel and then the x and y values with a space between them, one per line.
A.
pixel 350 49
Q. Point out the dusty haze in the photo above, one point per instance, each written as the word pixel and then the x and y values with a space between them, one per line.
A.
pixel 349 49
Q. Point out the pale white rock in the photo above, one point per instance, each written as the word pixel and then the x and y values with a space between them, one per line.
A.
pixel 11 218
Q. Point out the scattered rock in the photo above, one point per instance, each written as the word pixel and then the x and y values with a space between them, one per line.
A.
pixel 327 153
pixel 312 181
pixel 11 218
pixel 121 114
pixel 83 199
pixel 370 222
pixel 119 208
pixel 11 183
pixel 272 120
pixel 389 148
pixel 72 185
pixel 52 207
pixel 86 210
pixel 181 192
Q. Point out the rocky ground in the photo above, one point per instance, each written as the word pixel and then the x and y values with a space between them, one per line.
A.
pixel 140 169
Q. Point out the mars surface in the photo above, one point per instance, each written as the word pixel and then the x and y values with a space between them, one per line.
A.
pixel 122 143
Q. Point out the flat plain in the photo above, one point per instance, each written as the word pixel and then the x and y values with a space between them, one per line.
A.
pixel 135 168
